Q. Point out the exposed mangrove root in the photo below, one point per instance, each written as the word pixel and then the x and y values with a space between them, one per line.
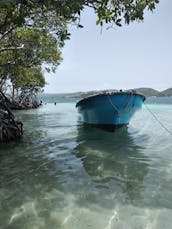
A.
pixel 10 129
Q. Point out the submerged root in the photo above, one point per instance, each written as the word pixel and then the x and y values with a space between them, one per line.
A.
pixel 10 129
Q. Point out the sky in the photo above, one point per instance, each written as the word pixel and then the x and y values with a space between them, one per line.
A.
pixel 127 57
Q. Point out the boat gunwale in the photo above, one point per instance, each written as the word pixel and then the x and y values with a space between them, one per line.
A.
pixel 109 93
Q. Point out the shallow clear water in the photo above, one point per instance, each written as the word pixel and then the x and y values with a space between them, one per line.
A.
pixel 66 176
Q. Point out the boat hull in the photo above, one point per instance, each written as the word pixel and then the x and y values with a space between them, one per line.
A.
pixel 107 109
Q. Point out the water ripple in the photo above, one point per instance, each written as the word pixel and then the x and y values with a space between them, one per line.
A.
pixel 63 175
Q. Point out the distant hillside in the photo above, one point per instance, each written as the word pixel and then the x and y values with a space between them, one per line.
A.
pixel 148 92
pixel 73 95
pixel 167 92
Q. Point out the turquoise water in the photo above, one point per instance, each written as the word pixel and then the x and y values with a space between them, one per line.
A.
pixel 65 176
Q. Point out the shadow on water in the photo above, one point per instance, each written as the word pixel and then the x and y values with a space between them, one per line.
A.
pixel 114 161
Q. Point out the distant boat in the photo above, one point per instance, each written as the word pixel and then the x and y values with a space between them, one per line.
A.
pixel 109 110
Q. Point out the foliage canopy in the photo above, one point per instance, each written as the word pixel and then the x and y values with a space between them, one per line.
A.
pixel 32 31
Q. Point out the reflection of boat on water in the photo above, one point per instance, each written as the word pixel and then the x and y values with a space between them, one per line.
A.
pixel 109 109
pixel 112 159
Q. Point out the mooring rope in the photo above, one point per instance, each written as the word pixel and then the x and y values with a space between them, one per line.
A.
pixel 113 105
pixel 155 117
pixel 116 108
pixel 130 100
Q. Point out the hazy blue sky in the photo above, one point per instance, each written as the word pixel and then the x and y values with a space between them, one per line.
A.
pixel 138 55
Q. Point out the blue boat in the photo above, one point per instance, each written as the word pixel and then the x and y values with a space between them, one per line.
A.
pixel 109 109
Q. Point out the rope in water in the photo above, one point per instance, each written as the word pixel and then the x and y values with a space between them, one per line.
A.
pixel 155 117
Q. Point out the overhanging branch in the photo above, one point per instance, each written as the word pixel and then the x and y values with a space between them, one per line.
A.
pixel 12 48
pixel 6 33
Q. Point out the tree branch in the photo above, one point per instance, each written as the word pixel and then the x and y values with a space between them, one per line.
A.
pixel 6 33
pixel 12 48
